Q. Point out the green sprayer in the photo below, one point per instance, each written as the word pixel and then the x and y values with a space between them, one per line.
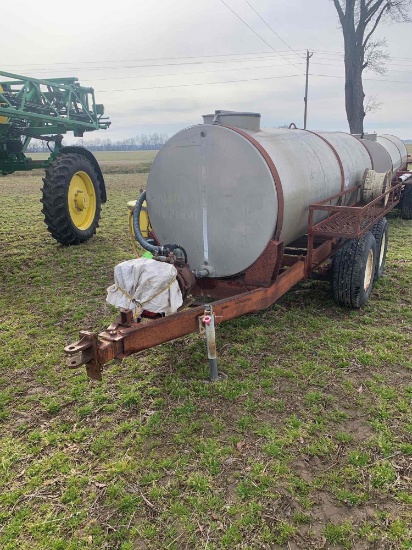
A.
pixel 74 187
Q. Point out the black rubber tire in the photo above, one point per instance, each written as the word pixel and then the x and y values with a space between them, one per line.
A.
pixel 406 203
pixel 55 199
pixel 348 272
pixel 380 232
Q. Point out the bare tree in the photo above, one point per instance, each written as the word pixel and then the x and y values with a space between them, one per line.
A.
pixel 372 104
pixel 359 20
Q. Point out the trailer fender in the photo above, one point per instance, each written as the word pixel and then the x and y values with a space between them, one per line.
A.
pixel 86 153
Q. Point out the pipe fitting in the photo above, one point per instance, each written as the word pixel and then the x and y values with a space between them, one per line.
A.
pixel 204 271
pixel 405 177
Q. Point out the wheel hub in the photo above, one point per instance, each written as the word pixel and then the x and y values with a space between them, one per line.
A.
pixel 81 200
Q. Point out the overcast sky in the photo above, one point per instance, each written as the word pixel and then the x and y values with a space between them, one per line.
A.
pixel 159 65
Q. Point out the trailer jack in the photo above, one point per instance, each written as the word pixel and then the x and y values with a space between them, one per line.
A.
pixel 207 327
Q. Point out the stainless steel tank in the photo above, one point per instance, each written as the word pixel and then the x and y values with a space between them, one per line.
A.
pixel 396 149
pixel 222 191
pixel 381 159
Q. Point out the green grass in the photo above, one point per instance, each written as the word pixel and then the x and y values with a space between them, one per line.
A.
pixel 307 444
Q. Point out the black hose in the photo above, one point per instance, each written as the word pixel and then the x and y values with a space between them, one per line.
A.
pixel 136 227
pixel 162 250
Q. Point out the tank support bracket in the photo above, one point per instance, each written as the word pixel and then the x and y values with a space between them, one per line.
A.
pixel 266 267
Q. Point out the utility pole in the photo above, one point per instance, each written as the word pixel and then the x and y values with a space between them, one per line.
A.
pixel 306 89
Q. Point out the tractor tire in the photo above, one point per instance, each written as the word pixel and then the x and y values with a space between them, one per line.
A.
pixel 71 199
pixel 353 271
pixel 406 203
pixel 380 232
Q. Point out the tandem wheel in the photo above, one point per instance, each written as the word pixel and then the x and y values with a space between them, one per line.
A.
pixel 353 271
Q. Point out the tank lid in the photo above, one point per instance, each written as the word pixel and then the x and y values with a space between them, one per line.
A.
pixel 370 137
pixel 246 120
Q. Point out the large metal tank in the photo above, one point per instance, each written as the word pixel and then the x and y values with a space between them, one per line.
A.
pixel 223 191
pixel 381 159
pixel 396 149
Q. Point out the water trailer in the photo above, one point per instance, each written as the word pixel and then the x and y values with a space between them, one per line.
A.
pixel 252 213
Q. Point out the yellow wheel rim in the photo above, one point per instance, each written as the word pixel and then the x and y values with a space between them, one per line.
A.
pixel 82 200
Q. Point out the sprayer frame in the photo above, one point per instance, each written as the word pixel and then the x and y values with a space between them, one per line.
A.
pixel 275 272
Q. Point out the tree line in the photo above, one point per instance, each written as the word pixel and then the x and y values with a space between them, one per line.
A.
pixel 143 142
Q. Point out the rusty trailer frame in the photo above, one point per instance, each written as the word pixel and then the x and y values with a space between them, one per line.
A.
pixel 275 272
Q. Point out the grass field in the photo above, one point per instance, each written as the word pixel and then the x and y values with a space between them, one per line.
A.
pixel 113 162
pixel 308 444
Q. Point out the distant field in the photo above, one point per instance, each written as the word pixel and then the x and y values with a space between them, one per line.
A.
pixel 117 162
pixel 409 148
pixel 113 156
pixel 125 156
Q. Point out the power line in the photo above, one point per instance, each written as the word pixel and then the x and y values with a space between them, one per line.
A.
pixel 342 61
pixel 386 63
pixel 389 64
pixel 271 28
pixel 279 52
pixel 246 80
pixel 391 70
pixel 206 72
pixel 188 74
pixel 220 61
pixel 340 54
pixel 266 58
pixel 257 34
pixel 159 75
pixel 370 79
pixel 222 70
pixel 199 84
pixel 161 65
pixel 143 59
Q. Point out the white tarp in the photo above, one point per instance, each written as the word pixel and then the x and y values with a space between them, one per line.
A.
pixel 148 282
